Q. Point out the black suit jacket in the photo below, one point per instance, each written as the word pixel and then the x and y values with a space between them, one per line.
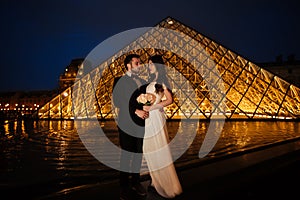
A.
pixel 125 93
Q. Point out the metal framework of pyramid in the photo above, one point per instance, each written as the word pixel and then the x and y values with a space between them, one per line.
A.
pixel 249 91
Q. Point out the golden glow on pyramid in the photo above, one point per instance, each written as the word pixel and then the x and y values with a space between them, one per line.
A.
pixel 250 92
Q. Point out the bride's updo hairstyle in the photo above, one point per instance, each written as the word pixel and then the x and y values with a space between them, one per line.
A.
pixel 162 74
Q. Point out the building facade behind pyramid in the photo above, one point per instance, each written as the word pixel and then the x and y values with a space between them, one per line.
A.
pixel 207 79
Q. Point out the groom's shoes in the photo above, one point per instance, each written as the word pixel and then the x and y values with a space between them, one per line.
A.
pixel 139 189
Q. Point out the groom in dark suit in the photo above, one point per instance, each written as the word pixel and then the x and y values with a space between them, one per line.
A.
pixel 131 124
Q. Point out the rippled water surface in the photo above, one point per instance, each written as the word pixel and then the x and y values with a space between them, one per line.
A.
pixel 45 152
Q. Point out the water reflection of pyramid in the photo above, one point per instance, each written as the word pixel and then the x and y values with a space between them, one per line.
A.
pixel 250 92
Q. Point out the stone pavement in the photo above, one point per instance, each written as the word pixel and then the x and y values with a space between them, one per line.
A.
pixel 264 173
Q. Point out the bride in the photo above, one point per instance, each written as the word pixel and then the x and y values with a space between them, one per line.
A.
pixel 155 148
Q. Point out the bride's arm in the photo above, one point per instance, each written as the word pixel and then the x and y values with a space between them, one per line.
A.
pixel 167 101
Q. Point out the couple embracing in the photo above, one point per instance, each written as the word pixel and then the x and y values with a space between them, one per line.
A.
pixel 142 129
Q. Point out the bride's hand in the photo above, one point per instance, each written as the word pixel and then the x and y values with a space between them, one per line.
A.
pixel 155 107
pixel 146 108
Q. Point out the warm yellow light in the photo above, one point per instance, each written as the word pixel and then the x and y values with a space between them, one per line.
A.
pixel 65 94
pixel 170 22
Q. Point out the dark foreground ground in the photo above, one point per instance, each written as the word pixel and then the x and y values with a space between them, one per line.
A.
pixel 276 179
pixel 269 173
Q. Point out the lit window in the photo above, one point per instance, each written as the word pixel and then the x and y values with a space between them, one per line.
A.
pixel 65 94
pixel 170 22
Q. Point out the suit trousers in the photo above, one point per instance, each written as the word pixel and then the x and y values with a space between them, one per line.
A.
pixel 130 164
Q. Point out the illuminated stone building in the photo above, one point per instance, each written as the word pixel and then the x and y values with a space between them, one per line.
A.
pixel 288 69
pixel 68 77
pixel 23 104
pixel 20 104
pixel 208 81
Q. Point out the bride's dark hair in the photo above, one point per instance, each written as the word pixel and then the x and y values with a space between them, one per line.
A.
pixel 162 74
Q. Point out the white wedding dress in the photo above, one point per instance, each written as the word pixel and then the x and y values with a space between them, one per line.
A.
pixel 157 152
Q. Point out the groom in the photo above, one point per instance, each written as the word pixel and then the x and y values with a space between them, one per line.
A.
pixel 131 124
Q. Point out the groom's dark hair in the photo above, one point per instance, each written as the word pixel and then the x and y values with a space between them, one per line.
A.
pixel 128 59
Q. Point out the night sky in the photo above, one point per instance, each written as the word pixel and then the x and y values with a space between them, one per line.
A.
pixel 39 38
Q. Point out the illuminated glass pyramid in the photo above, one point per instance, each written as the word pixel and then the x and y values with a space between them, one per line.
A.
pixel 204 66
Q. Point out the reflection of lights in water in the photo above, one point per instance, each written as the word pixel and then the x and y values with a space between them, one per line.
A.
pixel 63 154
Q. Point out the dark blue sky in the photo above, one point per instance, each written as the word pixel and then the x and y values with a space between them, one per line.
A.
pixel 40 38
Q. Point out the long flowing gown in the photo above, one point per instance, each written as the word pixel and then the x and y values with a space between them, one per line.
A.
pixel 157 152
